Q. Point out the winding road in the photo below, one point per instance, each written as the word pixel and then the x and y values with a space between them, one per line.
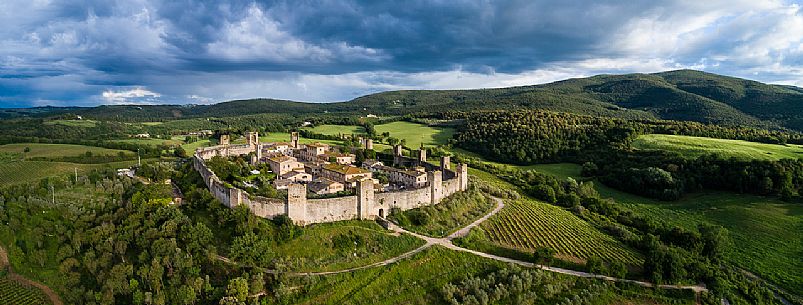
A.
pixel 447 243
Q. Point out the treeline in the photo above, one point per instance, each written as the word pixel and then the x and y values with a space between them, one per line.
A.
pixel 673 254
pixel 669 176
pixel 526 137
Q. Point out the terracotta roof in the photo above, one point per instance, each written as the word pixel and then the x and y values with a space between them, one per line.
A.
pixel 317 145
pixel 345 169
pixel 280 159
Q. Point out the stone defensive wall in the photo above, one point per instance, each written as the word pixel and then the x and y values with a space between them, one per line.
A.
pixel 366 204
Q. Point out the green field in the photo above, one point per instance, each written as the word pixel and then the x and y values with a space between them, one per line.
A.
pixel 414 134
pixel 15 293
pixel 39 150
pixel 343 245
pixel 453 213
pixel 417 134
pixel 151 141
pixel 18 172
pixel 337 129
pixel 766 232
pixel 526 225
pixel 73 123
pixel 696 146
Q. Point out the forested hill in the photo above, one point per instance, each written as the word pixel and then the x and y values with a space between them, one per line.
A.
pixel 676 95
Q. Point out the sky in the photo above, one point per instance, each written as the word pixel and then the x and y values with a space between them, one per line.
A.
pixel 88 52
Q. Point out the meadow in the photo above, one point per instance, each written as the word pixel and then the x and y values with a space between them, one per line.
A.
pixel 765 231
pixel 73 123
pixel 696 146
pixel 38 150
pixel 414 134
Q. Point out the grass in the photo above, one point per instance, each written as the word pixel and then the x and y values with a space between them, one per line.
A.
pixel 151 141
pixel 453 213
pixel 337 129
pixel 343 245
pixel 417 134
pixel 15 293
pixel 18 172
pixel 765 231
pixel 58 150
pixel 525 225
pixel 414 134
pixel 415 280
pixel 73 123
pixel 696 146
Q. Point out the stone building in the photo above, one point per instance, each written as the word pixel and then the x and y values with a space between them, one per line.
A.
pixel 323 186
pixel 281 165
pixel 346 174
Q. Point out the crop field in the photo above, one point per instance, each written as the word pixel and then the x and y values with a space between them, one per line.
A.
pixel 344 245
pixel 697 146
pixel 14 293
pixel 58 150
pixel 765 231
pixel 18 172
pixel 526 225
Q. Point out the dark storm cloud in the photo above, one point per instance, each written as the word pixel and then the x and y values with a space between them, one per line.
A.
pixel 90 52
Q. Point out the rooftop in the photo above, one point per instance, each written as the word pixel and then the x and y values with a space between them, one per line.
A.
pixel 345 169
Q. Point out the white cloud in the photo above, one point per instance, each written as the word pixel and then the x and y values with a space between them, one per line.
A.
pixel 259 37
pixel 137 95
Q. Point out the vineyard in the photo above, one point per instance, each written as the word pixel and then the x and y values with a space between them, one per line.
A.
pixel 526 225
pixel 17 172
pixel 14 293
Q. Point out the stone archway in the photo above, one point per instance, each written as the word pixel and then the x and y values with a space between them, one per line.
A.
pixel 381 213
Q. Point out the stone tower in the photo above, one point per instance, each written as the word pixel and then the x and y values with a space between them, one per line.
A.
pixel 422 155
pixel 397 150
pixel 294 139
pixel 462 176
pixel 369 144
pixel 297 203
pixel 446 163
pixel 224 139
pixel 435 179
pixel 365 198
pixel 252 138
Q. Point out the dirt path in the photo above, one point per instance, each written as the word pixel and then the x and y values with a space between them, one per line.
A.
pixel 52 295
pixel 447 243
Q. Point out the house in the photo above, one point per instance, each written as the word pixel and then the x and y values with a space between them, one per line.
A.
pixel 142 135
pixel 338 158
pixel 276 148
pixel 346 174
pixel 297 176
pixel 323 186
pixel 281 165
pixel 311 152
pixel 407 178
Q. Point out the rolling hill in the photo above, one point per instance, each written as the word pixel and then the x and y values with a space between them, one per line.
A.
pixel 675 95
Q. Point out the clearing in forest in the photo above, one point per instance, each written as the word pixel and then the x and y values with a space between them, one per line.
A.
pixel 697 146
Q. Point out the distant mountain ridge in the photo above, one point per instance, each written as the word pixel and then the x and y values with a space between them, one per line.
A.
pixel 675 95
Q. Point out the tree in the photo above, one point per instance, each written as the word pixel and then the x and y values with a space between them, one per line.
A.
pixel 238 289
pixel 543 255
pixel 594 265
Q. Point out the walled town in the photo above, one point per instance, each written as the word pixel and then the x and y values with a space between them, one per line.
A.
pixel 320 169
